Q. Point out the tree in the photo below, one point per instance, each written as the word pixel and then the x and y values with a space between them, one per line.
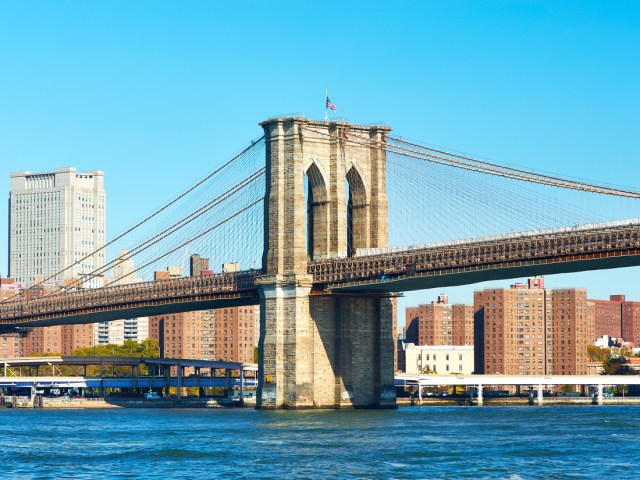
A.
pixel 620 390
pixel 617 366
pixel 597 354
pixel 147 349
pixel 621 352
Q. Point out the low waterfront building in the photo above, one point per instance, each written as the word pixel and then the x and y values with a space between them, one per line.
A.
pixel 437 359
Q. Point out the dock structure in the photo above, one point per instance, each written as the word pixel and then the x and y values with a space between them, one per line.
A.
pixel 69 372
pixel 537 382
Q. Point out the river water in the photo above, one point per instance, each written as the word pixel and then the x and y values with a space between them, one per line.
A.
pixel 419 442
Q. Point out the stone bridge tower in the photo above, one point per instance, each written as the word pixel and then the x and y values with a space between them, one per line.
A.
pixel 326 350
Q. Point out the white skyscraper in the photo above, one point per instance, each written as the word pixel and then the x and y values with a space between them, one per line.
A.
pixel 56 219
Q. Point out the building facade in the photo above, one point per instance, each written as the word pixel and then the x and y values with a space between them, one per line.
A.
pixel 234 333
pixel 122 272
pixel 608 316
pixel 570 329
pixel 443 360
pixel 55 220
pixel 440 323
pixel 219 334
pixel 10 346
pixel 617 318
pixel 179 334
pixel 198 265
pixel 527 330
pixel 631 322
pixel 117 331
pixel 59 340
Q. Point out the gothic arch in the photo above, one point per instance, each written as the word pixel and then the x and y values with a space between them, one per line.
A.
pixel 317 213
pixel 357 213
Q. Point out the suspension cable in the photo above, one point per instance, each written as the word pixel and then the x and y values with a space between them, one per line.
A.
pixel 165 233
pixel 144 220
pixel 479 166
pixel 513 169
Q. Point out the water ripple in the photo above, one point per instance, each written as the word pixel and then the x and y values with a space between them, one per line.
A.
pixel 441 442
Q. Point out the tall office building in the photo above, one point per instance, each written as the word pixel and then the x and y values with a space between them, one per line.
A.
pixel 123 271
pixel 197 265
pixel 56 219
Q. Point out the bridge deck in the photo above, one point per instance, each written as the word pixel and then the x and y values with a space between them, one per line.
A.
pixel 588 247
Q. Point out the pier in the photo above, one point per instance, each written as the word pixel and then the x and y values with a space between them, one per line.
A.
pixel 29 379
pixel 477 384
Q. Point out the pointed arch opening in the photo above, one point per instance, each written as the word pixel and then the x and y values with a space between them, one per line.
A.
pixel 316 225
pixel 357 213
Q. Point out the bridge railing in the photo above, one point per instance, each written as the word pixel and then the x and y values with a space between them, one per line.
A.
pixel 579 242
pixel 103 298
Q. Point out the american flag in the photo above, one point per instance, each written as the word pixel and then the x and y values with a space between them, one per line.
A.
pixel 330 105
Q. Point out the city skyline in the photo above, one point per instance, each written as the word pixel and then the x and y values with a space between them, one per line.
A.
pixel 133 89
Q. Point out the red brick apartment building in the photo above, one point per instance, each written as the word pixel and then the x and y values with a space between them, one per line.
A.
pixel 527 330
pixel 618 318
pixel 220 334
pixel 440 323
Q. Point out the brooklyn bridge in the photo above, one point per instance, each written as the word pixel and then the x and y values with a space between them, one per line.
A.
pixel 329 222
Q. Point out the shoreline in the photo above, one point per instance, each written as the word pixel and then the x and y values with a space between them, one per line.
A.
pixel 55 404
pixel 250 403
pixel 521 401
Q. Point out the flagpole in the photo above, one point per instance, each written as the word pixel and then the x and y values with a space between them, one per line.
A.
pixel 326 96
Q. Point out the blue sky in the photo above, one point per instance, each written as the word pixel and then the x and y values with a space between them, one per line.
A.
pixel 156 93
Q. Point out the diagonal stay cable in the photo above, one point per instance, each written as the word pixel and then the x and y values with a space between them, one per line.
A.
pixel 178 247
pixel 173 228
pixel 175 249
pixel 147 218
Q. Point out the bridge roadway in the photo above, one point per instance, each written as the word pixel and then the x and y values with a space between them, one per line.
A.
pixel 539 381
pixel 562 250
pixel 134 300
pixel 571 249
